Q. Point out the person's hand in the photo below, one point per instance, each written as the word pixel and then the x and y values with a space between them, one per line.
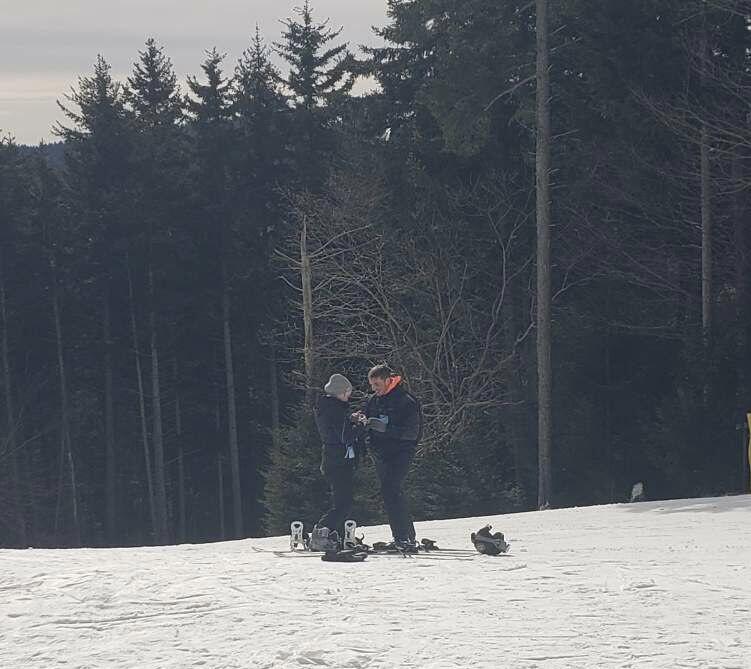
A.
pixel 358 417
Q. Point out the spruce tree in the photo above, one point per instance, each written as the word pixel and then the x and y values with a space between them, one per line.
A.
pixel 154 97
pixel 98 149
pixel 262 166
pixel 210 109
pixel 16 204
pixel 319 81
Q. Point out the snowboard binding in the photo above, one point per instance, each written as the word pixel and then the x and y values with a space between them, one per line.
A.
pixel 349 541
pixel 297 536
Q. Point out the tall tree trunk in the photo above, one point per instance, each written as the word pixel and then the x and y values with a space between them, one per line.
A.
pixel 517 412
pixel 66 450
pixel 181 527
pixel 706 239
pixel 11 422
pixel 741 286
pixel 274 392
pixel 234 451
pixel 607 399
pixel 219 472
pixel 33 513
pixel 307 308
pixel 544 327
pixel 743 317
pixel 157 429
pixel 142 403
pixel 220 485
pixel 706 201
pixel 697 465
pixel 109 423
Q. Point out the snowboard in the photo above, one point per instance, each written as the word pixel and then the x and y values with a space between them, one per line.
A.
pixel 354 550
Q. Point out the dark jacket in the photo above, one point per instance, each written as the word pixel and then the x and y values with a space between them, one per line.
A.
pixel 336 430
pixel 404 427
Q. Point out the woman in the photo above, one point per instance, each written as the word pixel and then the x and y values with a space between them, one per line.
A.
pixel 338 434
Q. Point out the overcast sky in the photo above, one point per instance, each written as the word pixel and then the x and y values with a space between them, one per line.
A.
pixel 45 45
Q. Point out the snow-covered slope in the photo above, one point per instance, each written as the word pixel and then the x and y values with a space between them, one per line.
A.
pixel 663 584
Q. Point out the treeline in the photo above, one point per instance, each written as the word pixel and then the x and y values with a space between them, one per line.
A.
pixel 173 295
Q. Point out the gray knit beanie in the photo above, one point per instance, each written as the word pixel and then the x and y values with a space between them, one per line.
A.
pixel 337 385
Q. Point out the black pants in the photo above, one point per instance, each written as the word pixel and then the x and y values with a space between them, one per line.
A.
pixel 340 476
pixel 392 471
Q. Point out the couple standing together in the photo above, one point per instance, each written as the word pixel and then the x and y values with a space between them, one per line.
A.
pixel 391 424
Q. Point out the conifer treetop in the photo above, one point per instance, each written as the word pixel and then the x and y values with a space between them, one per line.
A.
pixel 98 99
pixel 318 75
pixel 210 101
pixel 152 90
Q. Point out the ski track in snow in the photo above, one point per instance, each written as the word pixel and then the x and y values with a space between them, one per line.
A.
pixel 658 584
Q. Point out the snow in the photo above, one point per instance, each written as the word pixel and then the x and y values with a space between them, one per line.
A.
pixel 655 584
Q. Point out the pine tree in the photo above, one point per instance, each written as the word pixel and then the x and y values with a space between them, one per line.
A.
pixel 256 95
pixel 99 160
pixel 210 110
pixel 154 97
pixel 153 92
pixel 319 76
pixel 319 81
pixel 261 120
pixel 16 205
pixel 262 165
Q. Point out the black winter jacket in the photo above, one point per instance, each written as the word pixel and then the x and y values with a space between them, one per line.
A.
pixel 336 430
pixel 404 427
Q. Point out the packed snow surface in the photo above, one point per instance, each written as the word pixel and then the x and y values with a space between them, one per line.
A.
pixel 658 584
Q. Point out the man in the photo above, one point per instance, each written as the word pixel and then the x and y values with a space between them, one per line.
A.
pixel 394 422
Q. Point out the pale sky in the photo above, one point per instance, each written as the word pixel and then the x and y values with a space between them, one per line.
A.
pixel 45 45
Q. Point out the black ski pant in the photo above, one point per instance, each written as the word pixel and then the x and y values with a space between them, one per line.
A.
pixel 392 470
pixel 340 476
